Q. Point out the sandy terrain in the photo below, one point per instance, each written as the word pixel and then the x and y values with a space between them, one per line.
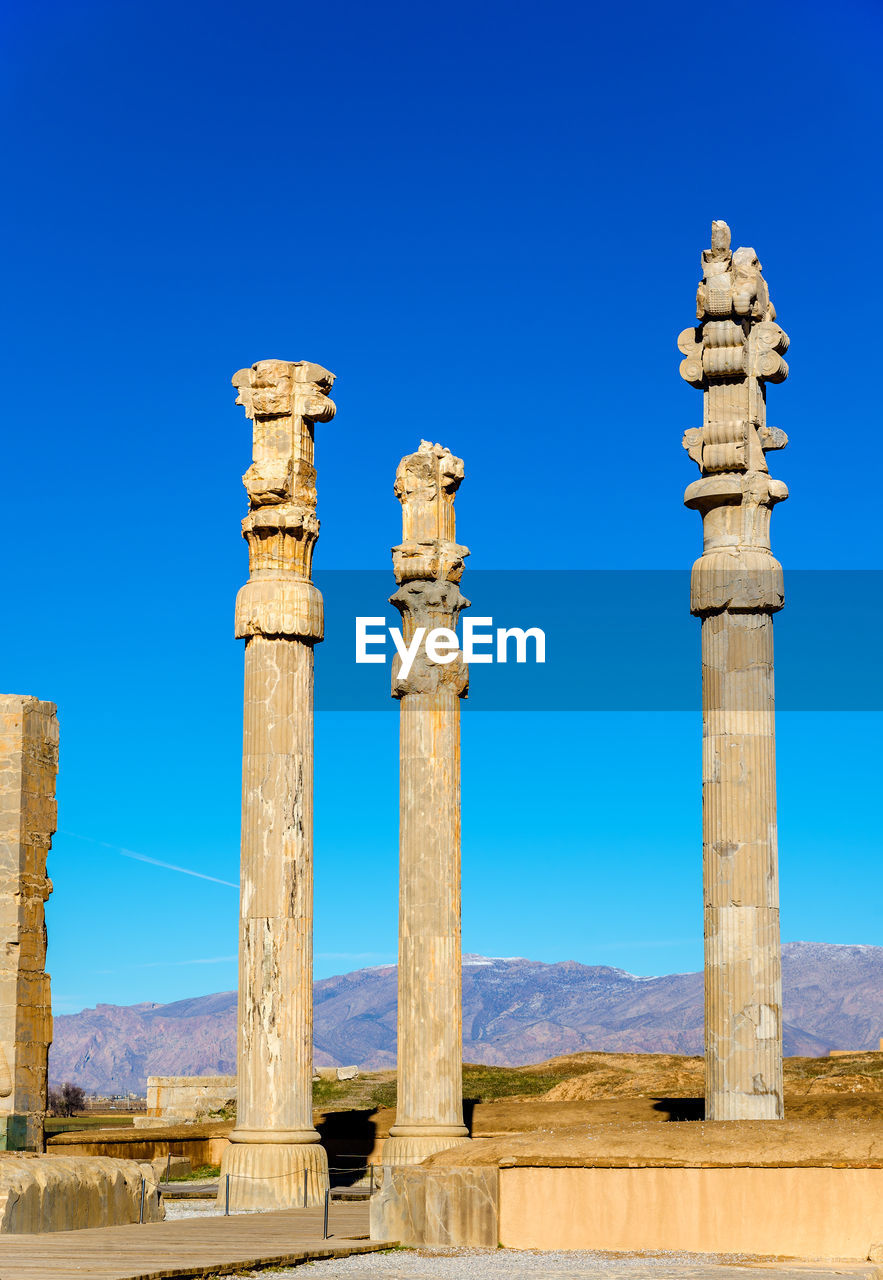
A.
pixel 814 1087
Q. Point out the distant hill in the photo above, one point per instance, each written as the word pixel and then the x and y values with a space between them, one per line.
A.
pixel 514 1011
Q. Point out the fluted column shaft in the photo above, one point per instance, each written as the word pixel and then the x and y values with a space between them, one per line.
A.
pixel 276 912
pixel 430 1025
pixel 743 986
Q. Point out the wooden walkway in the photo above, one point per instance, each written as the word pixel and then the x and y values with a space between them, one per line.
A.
pixel 199 1246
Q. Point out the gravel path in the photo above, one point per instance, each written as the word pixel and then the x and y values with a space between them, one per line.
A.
pixel 176 1209
pixel 517 1264
pixel 527 1264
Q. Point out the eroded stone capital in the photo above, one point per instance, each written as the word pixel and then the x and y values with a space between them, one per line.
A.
pixel 734 350
pixel 282 388
pixel 428 474
pixel 283 399
pixel 430 605
pixel 425 485
pixel 428 564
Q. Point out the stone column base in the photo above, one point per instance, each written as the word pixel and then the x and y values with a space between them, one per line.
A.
pixel 273 1175
pixel 412 1149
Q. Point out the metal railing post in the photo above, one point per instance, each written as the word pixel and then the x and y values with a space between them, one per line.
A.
pixel 143 1189
pixel 227 1196
pixel 325 1226
pixel 305 1187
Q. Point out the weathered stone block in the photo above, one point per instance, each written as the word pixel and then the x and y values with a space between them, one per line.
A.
pixel 178 1099
pixel 457 1206
pixel 57 1193
pixel 166 1168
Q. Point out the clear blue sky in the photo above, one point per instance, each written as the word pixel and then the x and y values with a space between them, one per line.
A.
pixel 486 218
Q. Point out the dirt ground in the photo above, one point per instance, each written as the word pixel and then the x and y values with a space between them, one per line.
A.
pixel 625 1087
pixel 814 1087
pixel 842 1143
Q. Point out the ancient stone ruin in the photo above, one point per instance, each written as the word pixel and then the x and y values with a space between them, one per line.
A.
pixel 279 614
pixel 428 565
pixel 624 1185
pixel 185 1099
pixel 37 1192
pixel 733 352
pixel 28 767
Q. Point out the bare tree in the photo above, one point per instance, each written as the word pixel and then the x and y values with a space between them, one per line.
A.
pixel 67 1100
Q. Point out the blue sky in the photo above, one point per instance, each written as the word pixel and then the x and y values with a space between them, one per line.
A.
pixel 486 218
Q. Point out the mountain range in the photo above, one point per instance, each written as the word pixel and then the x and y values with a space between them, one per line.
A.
pixel 514 1011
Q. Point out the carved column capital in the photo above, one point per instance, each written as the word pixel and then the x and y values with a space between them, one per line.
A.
pixel 283 399
pixel 428 565
pixel 429 604
pixel 425 485
pixel 735 349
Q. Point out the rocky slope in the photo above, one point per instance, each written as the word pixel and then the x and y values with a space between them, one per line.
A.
pixel 514 1011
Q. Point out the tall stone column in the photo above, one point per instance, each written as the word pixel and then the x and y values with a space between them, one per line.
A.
pixel 428 565
pixel 279 614
pixel 28 768
pixel 735 349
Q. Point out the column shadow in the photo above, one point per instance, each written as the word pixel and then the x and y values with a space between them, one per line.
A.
pixel 681 1108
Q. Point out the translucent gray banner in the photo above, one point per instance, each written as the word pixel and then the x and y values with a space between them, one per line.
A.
pixel 614 641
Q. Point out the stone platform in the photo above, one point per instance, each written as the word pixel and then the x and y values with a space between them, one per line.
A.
pixel 201 1143
pixel 783 1188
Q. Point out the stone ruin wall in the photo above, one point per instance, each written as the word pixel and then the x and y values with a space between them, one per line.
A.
pixel 182 1099
pixel 28 768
